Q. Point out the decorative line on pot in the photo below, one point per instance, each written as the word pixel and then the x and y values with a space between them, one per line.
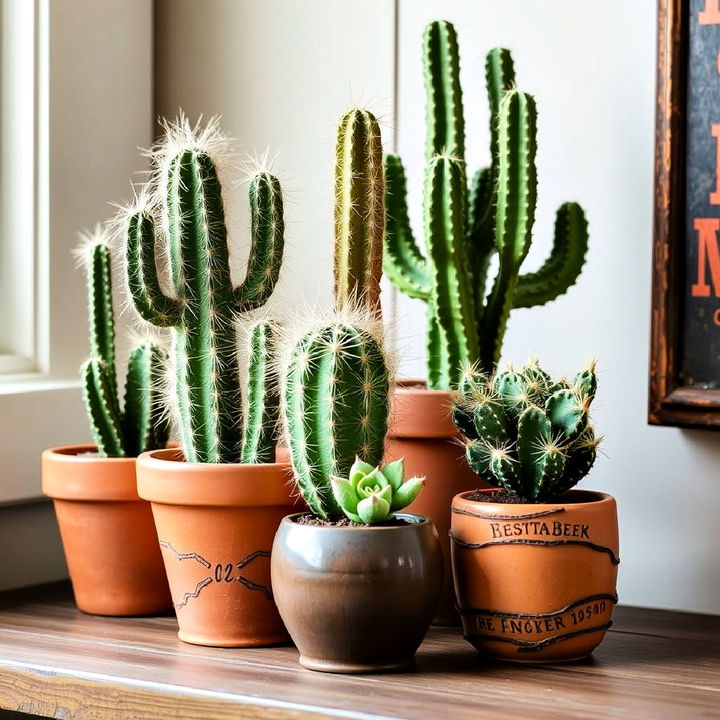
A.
pixel 523 541
pixel 528 516
pixel 223 573
pixel 613 598
pixel 534 646
pixel 184 556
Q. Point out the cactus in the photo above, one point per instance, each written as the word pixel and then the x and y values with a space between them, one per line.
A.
pixel 335 405
pixel 141 424
pixel 465 226
pixel 526 433
pixel 370 495
pixel 203 306
pixel 359 211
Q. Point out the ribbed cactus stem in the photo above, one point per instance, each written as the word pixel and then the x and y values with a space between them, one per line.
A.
pixel 203 307
pixel 263 398
pixel 335 407
pixel 359 211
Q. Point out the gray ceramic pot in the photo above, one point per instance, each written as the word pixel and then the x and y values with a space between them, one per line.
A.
pixel 357 599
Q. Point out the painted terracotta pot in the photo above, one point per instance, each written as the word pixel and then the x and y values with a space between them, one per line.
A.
pixel 536 582
pixel 107 532
pixel 421 431
pixel 216 524
pixel 357 599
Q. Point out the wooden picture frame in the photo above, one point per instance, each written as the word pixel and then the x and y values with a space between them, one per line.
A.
pixel 672 399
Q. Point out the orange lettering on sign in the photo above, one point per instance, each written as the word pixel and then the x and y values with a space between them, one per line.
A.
pixel 716 317
pixel 711 14
pixel 708 255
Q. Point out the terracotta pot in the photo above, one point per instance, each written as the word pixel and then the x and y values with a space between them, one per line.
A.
pixel 357 599
pixel 536 582
pixel 421 431
pixel 107 533
pixel 216 524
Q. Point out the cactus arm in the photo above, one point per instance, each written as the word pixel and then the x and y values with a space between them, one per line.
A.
pixel 359 211
pixel 515 213
pixel 102 408
pixel 534 435
pixel 567 412
pixel 267 244
pixel 500 78
pixel 438 370
pixel 205 344
pixel 145 425
pixel 261 420
pixel 403 263
pixel 445 212
pixel 480 237
pixel 564 264
pixel 150 301
pixel 101 316
pixel 444 109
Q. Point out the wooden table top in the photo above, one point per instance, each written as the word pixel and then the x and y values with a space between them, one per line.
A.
pixel 57 662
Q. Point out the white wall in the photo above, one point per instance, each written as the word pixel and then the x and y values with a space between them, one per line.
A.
pixel 281 72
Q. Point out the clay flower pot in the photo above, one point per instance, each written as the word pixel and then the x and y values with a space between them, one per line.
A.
pixel 357 599
pixel 421 431
pixel 107 532
pixel 216 524
pixel 536 582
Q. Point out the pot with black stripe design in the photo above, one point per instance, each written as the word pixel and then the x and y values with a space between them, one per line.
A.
pixel 535 582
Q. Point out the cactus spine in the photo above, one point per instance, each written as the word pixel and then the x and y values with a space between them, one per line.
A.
pixel 204 304
pixel 141 425
pixel 466 224
pixel 527 433
pixel 336 381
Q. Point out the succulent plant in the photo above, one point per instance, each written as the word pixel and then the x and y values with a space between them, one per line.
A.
pixel 370 495
pixel 142 423
pixel 203 306
pixel 336 382
pixel 527 433
pixel 466 224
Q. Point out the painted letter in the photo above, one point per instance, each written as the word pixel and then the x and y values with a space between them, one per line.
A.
pixel 711 14
pixel 708 254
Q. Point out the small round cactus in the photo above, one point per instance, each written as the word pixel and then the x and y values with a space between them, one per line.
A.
pixel 527 433
pixel 370 495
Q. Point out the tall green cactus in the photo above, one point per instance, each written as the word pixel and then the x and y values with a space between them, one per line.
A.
pixel 142 424
pixel 203 306
pixel 466 224
pixel 525 432
pixel 336 382
pixel 359 211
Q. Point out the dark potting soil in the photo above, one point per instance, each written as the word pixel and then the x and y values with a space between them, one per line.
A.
pixel 346 522
pixel 499 496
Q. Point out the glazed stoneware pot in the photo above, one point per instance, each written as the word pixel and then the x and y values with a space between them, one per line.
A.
pixel 216 524
pixel 421 431
pixel 536 582
pixel 357 599
pixel 107 532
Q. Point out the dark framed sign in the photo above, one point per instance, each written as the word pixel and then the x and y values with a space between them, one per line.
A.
pixel 685 343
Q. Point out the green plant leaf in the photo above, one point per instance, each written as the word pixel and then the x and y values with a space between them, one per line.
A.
pixel 370 483
pixel 394 473
pixel 359 470
pixel 344 494
pixel 407 493
pixel 373 509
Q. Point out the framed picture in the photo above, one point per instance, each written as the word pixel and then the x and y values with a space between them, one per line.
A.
pixel 685 345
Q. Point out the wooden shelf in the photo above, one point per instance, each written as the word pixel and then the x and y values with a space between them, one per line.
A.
pixel 57 662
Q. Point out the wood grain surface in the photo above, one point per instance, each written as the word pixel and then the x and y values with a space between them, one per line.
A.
pixel 57 662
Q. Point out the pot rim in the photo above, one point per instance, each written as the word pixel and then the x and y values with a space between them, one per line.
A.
pixel 596 497
pixel 414 521
pixel 421 413
pixel 66 475
pixel 164 477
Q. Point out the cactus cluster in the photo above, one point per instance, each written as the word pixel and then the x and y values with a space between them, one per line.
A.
pixel 202 306
pixel 141 424
pixel 466 224
pixel 525 432
pixel 336 380
pixel 371 495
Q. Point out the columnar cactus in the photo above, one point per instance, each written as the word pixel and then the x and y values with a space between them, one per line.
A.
pixel 527 433
pixel 359 211
pixel 465 226
pixel 142 424
pixel 203 305
pixel 336 379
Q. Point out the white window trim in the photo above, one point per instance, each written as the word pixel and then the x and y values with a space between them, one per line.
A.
pixel 93 109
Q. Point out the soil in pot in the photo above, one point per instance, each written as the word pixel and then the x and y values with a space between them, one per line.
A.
pixel 357 598
pixel 107 532
pixel 535 582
